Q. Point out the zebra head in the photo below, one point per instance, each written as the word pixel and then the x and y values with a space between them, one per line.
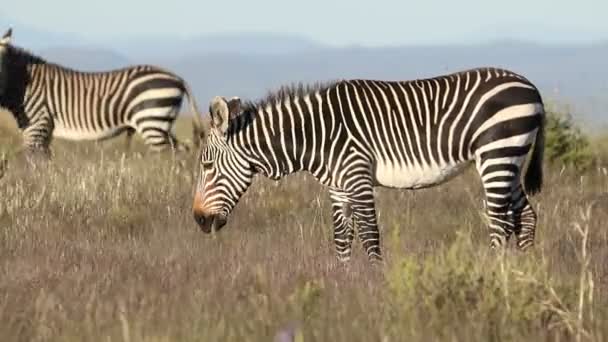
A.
pixel 224 173
pixel 5 42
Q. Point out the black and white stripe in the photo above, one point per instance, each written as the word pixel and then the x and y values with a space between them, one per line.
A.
pixel 49 100
pixel 356 134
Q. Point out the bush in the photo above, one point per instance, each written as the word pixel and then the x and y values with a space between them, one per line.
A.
pixel 565 144
pixel 495 297
pixel 600 148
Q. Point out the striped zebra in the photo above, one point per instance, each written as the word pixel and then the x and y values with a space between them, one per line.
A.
pixel 353 135
pixel 49 100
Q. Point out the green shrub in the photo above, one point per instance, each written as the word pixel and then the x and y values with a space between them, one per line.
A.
pixel 565 144
pixel 599 147
pixel 495 297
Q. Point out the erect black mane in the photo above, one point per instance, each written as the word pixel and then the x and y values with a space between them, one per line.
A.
pixel 18 54
pixel 13 77
pixel 286 92
pixel 249 109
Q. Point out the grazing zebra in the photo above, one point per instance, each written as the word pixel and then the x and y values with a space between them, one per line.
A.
pixel 353 135
pixel 49 100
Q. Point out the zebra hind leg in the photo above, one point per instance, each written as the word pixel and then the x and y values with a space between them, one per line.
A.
pixel 129 138
pixel 37 141
pixel 159 140
pixel 498 181
pixel 176 145
pixel 343 225
pixel 524 219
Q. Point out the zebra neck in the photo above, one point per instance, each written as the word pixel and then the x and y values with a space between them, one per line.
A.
pixel 16 74
pixel 264 140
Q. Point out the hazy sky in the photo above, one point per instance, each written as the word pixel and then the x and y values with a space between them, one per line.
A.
pixel 339 22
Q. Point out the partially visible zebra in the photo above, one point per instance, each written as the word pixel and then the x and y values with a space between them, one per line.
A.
pixel 49 100
pixel 353 135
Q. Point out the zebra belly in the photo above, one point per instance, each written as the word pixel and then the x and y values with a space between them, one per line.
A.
pixel 395 175
pixel 62 132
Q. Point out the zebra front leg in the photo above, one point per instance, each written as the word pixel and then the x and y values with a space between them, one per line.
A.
pixel 36 154
pixel 364 212
pixel 343 224
pixel 37 140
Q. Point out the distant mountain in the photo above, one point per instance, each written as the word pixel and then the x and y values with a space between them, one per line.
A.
pixel 156 48
pixel 36 39
pixel 250 64
pixel 64 48
pixel 574 74
pixel 88 59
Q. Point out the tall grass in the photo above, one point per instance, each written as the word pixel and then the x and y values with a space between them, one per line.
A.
pixel 101 246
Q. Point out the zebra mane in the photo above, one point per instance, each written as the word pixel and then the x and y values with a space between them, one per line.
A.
pixel 23 55
pixel 249 109
pixel 12 62
pixel 286 92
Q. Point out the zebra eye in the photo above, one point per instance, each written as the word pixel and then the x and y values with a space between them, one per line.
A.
pixel 207 164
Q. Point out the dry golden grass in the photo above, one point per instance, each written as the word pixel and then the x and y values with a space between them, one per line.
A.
pixel 95 246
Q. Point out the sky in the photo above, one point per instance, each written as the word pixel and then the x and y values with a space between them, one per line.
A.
pixel 333 22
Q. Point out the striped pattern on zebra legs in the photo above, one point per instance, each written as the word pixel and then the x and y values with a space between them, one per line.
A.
pixel 524 219
pixel 497 184
pixel 37 136
pixel 500 177
pixel 343 220
pixel 509 212
pixel 500 164
pixel 49 100
pixel 364 209
pixel 354 211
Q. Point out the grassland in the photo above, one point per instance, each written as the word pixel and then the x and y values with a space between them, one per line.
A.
pixel 99 245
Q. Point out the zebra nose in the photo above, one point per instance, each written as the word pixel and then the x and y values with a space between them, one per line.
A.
pixel 201 217
pixel 209 223
pixel 203 222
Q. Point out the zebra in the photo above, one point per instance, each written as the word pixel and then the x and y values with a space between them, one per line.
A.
pixel 48 100
pixel 355 135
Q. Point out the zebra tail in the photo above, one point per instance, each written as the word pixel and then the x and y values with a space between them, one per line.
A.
pixel 534 175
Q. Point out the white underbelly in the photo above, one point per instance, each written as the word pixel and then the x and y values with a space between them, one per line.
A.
pixel 72 134
pixel 396 175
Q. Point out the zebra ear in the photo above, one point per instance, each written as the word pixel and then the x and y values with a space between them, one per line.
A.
pixel 200 129
pixel 205 127
pixel 6 38
pixel 234 107
pixel 220 114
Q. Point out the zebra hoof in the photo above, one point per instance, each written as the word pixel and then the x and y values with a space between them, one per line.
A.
pixel 182 148
pixel 344 258
pixel 498 241
pixel 38 157
pixel 375 259
pixel 525 245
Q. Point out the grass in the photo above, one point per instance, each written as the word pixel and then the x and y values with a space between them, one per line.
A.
pixel 101 246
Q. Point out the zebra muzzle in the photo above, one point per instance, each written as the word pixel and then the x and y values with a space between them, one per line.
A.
pixel 211 223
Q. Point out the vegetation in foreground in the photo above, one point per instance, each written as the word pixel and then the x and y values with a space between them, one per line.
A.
pixel 97 245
